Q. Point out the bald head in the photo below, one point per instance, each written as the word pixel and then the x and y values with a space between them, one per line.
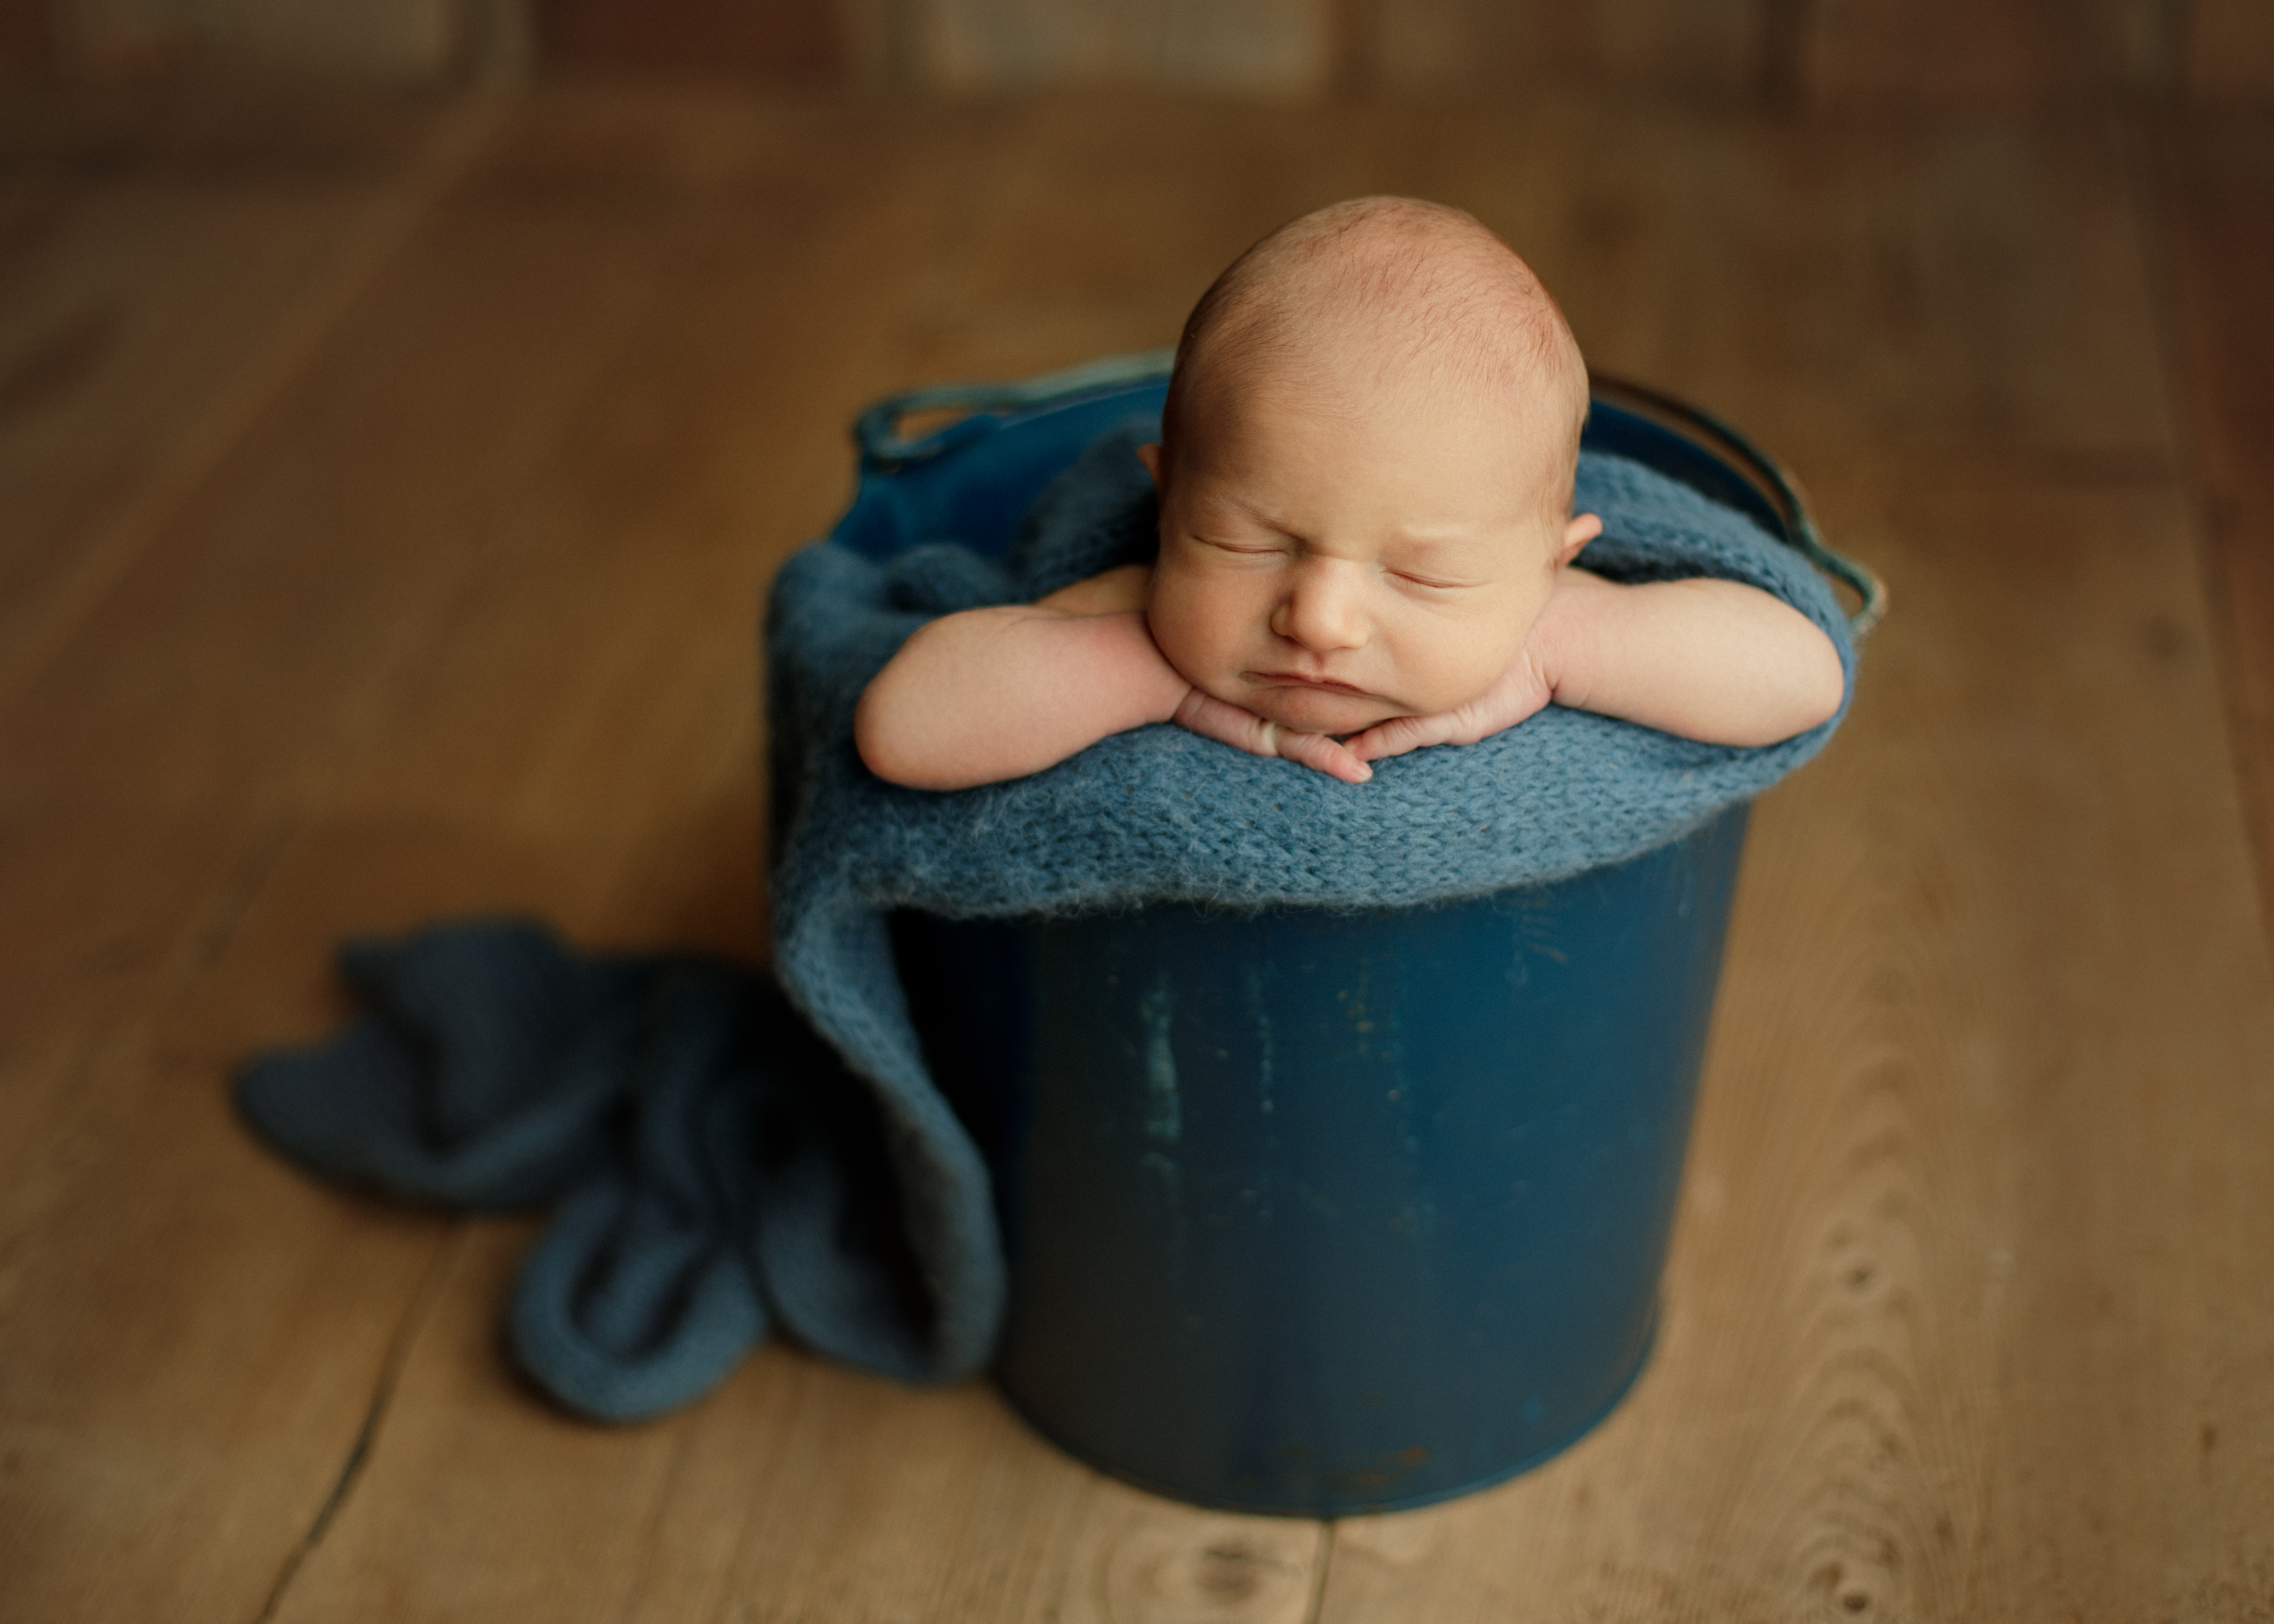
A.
pixel 1380 299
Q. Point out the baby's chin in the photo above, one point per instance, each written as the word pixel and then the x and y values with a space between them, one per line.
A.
pixel 1317 709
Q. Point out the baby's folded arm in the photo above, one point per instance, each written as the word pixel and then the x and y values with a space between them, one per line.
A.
pixel 995 694
pixel 1717 661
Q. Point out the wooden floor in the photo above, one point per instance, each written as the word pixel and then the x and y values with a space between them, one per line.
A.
pixel 386 494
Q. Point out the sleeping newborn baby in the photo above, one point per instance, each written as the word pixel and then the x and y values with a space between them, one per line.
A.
pixel 1364 476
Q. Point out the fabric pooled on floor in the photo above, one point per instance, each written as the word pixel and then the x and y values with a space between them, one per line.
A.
pixel 718 1171
pixel 719 1168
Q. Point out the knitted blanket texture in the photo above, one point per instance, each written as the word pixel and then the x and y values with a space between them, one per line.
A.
pixel 720 1171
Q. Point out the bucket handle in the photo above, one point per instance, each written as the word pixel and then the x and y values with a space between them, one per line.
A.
pixel 1776 481
pixel 876 430
pixel 876 433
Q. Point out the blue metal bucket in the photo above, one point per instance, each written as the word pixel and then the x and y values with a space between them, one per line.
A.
pixel 1313 1212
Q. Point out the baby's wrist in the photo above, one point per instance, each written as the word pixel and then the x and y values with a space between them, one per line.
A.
pixel 1548 647
pixel 1164 686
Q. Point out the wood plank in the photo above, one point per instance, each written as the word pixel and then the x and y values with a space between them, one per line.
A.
pixel 2230 50
pixel 802 42
pixel 1488 50
pixel 383 41
pixel 2214 181
pixel 798 1492
pixel 151 1313
pixel 1985 52
pixel 1125 208
pixel 170 1424
pixel 23 34
pixel 122 391
pixel 1280 49
pixel 227 677
pixel 1880 285
pixel 170 265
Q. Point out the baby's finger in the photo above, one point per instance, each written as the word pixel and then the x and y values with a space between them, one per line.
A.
pixel 1213 718
pixel 1243 730
pixel 1399 735
pixel 1324 755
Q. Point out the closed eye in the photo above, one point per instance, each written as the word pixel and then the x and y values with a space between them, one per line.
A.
pixel 1248 549
pixel 1433 582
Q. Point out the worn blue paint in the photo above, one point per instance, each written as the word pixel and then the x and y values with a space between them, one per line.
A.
pixel 1165 1117
pixel 1367 1272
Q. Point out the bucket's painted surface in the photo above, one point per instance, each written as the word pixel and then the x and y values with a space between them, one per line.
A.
pixel 1322 1213
pixel 1312 1212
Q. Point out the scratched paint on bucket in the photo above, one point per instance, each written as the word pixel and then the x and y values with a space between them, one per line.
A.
pixel 1164 1109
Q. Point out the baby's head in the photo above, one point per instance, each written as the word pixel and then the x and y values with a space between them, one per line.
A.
pixel 1365 468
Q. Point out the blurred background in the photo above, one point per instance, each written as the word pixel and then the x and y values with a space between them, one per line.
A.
pixel 1780 52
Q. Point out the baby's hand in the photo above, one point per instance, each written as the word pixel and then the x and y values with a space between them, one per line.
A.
pixel 1523 689
pixel 1243 730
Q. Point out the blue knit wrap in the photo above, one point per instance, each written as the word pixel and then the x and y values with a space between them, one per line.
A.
pixel 1162 814
pixel 718 1170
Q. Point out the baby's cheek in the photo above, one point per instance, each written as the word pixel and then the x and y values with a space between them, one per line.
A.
pixel 1190 625
pixel 1456 663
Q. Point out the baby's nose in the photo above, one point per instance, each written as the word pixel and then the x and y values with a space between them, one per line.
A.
pixel 1324 607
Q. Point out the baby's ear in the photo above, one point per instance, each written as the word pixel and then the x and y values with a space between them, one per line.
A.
pixel 1150 456
pixel 1583 529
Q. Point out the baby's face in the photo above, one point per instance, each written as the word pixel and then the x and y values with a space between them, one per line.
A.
pixel 1328 570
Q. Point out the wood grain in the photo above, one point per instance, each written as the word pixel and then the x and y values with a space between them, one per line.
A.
pixel 1271 49
pixel 2230 50
pixel 156 1450
pixel 400 42
pixel 788 41
pixel 2214 179
pixel 1777 53
pixel 1488 50
pixel 797 1492
pixel 1845 288
pixel 216 690
pixel 24 37
pixel 126 390
pixel 2002 52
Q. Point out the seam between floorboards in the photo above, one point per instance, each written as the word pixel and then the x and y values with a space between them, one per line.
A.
pixel 1328 1529
pixel 382 1400
pixel 650 1539
pixel 2146 160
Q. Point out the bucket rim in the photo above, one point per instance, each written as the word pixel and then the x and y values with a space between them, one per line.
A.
pixel 990 405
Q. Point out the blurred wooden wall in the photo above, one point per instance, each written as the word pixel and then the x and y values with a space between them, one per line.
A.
pixel 1790 52
pixel 1814 52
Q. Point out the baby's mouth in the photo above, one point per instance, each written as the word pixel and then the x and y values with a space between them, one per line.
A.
pixel 1296 678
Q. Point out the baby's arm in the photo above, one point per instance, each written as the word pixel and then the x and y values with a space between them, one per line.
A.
pixel 995 694
pixel 1716 661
